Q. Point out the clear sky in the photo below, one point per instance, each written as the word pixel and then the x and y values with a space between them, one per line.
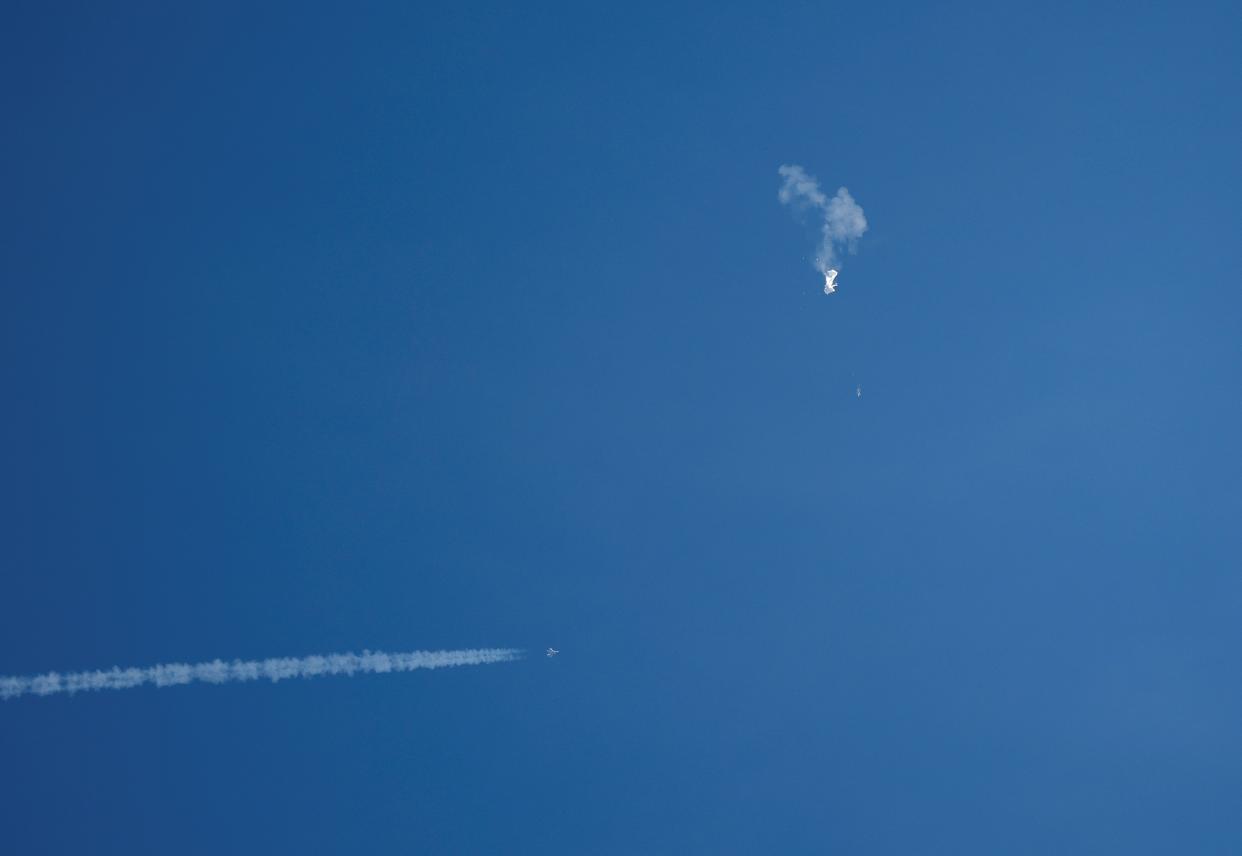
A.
pixel 337 326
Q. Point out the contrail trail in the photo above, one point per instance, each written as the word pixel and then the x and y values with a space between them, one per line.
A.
pixel 275 669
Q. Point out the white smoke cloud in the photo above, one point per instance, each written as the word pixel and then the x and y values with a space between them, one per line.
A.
pixel 844 221
pixel 799 188
pixel 274 669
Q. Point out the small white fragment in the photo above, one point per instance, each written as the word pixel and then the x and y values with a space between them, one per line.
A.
pixel 830 284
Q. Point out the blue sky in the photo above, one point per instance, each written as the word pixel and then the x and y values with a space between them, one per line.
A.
pixel 400 327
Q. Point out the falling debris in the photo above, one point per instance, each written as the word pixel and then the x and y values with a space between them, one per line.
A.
pixel 858 392
pixel 830 281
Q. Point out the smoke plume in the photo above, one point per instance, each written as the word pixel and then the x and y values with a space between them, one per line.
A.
pixel 843 218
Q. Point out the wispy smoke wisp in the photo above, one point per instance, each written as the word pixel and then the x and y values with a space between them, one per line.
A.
pixel 275 669
pixel 844 221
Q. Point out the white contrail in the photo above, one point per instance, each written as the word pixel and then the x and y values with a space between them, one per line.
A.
pixel 844 221
pixel 275 669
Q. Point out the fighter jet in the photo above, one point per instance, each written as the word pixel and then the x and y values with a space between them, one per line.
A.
pixel 552 652
pixel 830 284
